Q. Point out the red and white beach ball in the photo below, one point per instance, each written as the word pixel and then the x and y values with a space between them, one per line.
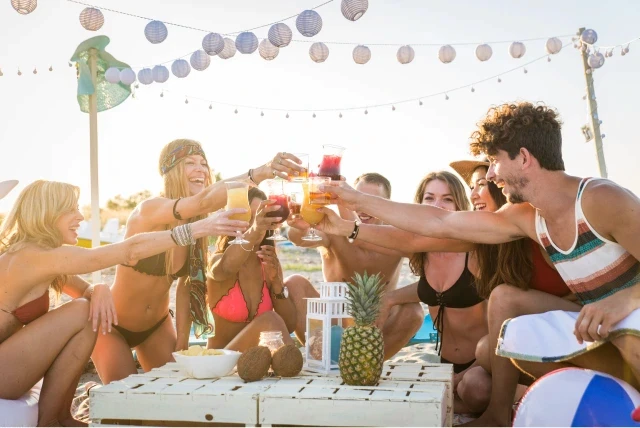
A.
pixel 574 397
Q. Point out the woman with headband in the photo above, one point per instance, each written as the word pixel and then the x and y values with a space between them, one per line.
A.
pixel 141 290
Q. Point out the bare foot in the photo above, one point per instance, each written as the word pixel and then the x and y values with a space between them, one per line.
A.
pixel 487 420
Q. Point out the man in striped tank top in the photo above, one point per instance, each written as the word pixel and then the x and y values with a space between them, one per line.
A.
pixel 590 230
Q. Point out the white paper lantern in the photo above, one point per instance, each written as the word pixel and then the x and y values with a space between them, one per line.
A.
pixel 91 19
pixel 200 60
pixel 246 43
pixel 24 7
pixel 145 76
pixel 405 54
pixel 361 54
pixel 156 32
pixel 280 35
pixel 112 75
pixel 484 52
pixel 446 54
pixel 309 23
pixel 160 74
pixel 319 52
pixel 180 68
pixel 553 46
pixel 267 50
pixel 517 50
pixel 589 36
pixel 213 43
pixel 229 49
pixel 127 76
pixel 596 60
pixel 354 9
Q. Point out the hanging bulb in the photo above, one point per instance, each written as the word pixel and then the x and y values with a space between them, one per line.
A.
pixel 584 48
pixel 19 72
pixel 162 94
pixel 261 113
pixel 366 112
pixel 588 71
pixel 599 122
pixel 133 95
pixel 446 97
pixel 314 115
pixel 186 101
pixel 210 107
pixel 136 86
pixel 236 111
pixel 473 89
pixel 420 103
pixel 1 73
pixel 584 97
pixel 626 50
pixel 287 116
pixel 35 71
pixel 548 59
pixel 499 80
pixel 602 136
pixel 393 108
pixel 70 65
pixel 340 115
pixel 525 71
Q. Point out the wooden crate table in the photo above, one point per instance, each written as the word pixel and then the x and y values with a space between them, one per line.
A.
pixel 408 395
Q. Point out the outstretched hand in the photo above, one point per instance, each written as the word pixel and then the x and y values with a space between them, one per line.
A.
pixel 263 223
pixel 333 224
pixel 102 310
pixel 342 194
pixel 220 223
pixel 283 165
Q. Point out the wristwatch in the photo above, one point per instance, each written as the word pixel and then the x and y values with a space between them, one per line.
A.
pixel 356 229
pixel 283 295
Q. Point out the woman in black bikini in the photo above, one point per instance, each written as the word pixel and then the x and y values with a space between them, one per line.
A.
pixel 141 290
pixel 37 253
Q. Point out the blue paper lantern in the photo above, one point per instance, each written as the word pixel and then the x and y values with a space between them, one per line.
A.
pixel 309 23
pixel 160 74
pixel 246 42
pixel 156 32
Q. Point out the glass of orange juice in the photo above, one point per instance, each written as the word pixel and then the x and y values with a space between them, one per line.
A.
pixel 313 200
pixel 304 159
pixel 238 197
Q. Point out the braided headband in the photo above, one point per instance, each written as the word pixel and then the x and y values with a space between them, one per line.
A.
pixel 173 158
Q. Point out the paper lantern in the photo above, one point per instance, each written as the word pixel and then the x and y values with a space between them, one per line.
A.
pixel 517 50
pixel 91 19
pixel 319 52
pixel 446 54
pixel 589 37
pixel 405 54
pixel 180 68
pixel 280 35
pixel 200 60
pixel 156 32
pixel 246 43
pixel 112 75
pixel 213 43
pixel 309 23
pixel 145 76
pixel 361 54
pixel 229 49
pixel 553 46
pixel 596 60
pixel 267 50
pixel 160 74
pixel 484 52
pixel 24 7
pixel 354 9
pixel 127 76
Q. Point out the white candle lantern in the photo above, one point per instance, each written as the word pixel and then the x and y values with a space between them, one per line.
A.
pixel 325 324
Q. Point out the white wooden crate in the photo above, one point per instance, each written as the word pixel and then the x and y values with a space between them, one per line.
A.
pixel 327 402
pixel 165 395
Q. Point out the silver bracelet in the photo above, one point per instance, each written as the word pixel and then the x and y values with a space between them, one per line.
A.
pixel 182 235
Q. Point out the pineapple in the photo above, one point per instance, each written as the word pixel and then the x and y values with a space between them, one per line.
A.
pixel 362 346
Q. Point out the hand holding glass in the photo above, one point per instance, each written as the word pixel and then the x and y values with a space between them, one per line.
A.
pixel 275 192
pixel 238 197
pixel 314 199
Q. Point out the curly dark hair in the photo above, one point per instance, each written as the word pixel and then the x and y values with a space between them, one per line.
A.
pixel 511 126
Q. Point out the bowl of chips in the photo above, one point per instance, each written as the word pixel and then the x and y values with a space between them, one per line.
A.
pixel 202 363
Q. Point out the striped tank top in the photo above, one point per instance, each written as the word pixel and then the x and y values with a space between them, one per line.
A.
pixel 594 267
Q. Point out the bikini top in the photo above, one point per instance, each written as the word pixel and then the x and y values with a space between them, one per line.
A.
pixel 155 265
pixel 462 294
pixel 233 306
pixel 32 310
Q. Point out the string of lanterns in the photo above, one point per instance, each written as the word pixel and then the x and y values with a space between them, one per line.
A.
pixel 365 109
pixel 587 41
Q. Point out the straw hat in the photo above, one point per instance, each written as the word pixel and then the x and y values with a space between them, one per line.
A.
pixel 6 186
pixel 466 167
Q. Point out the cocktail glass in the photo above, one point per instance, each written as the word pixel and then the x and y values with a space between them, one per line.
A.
pixel 238 197
pixel 276 193
pixel 314 199
pixel 330 164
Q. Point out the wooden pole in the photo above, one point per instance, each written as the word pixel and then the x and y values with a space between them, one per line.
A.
pixel 593 111
pixel 93 142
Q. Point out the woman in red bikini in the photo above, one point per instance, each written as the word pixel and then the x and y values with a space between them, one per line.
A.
pixel 38 252
pixel 245 286
pixel 141 289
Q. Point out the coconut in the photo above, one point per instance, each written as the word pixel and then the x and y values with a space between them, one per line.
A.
pixel 254 363
pixel 287 361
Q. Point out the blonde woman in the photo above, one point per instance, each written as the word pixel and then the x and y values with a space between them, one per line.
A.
pixel 38 252
pixel 141 289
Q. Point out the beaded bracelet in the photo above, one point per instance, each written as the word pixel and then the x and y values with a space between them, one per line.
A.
pixel 182 235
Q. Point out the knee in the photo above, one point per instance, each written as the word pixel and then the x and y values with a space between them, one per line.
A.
pixel 79 308
pixel 412 316
pixel 627 343
pixel 296 281
pixel 270 320
pixel 504 296
pixel 482 353
pixel 475 389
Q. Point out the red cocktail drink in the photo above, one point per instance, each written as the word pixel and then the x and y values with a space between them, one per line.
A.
pixel 330 167
pixel 283 211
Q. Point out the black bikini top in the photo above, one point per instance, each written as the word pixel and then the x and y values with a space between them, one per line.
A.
pixel 155 265
pixel 462 294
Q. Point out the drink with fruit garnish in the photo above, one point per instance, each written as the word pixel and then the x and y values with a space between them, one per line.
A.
pixel 331 158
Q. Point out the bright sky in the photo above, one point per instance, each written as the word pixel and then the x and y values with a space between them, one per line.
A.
pixel 43 134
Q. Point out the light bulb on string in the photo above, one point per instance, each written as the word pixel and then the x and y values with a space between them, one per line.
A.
pixel 210 107
pixel 236 111
pixel 548 59
pixel 589 71
pixel 366 112
pixel 340 115
pixel 287 116
pixel 473 89
pixel 1 73
pixel 161 94
pixel 525 71
pixel 35 71
pixel 19 72
pixel 499 80
pixel 446 97
pixel 314 115
pixel 70 65
pixel 420 103
pixel 261 113
pixel 626 50
pixel 603 135
pixel 136 86
pixel 393 108
pixel 186 100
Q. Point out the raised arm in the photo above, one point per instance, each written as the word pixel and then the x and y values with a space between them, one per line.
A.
pixel 472 226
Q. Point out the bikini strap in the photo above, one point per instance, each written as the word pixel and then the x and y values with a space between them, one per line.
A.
pixel 6 312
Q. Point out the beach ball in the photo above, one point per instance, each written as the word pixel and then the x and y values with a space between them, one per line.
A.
pixel 280 35
pixel 574 397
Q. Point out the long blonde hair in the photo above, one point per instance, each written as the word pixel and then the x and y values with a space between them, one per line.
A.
pixel 417 260
pixel 176 186
pixel 33 218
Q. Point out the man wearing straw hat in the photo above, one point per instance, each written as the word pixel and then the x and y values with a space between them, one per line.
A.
pixel 589 227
